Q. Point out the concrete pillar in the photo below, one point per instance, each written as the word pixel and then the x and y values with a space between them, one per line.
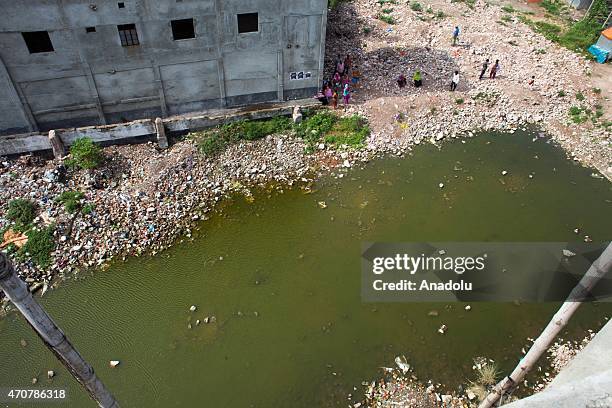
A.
pixel 51 335
pixel 162 140
pixel 57 145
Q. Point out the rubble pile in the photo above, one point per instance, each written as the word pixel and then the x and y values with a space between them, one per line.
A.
pixel 421 40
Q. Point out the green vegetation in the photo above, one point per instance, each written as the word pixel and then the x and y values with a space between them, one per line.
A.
pixel 22 212
pixel 596 91
pixel 577 36
pixel 39 246
pixel 85 154
pixel 387 10
pixel 213 141
pixel 71 200
pixel 386 18
pixel 440 14
pixel 507 18
pixel 416 6
pixel 580 114
pixel 459 101
pixel 508 9
pixel 561 93
pixel 367 30
pixel 351 131
pixel 579 96
pixel 553 7
pixel 383 2
pixel 87 209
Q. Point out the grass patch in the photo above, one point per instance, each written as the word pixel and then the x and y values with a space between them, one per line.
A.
pixel 22 212
pixel 85 154
pixel 387 10
pixel 349 131
pixel 553 7
pixel 561 93
pixel 579 35
pixel 459 101
pixel 416 6
pixel 507 18
pixel 508 9
pixel 211 142
pixel 322 125
pixel 579 96
pixel 39 246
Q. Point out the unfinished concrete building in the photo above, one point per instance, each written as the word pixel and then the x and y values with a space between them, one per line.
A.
pixel 69 63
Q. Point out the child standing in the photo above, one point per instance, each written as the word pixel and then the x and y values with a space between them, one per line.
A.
pixel 346 94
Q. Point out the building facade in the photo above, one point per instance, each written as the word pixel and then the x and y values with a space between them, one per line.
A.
pixel 69 63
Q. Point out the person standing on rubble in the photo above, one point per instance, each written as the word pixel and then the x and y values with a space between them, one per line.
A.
pixel 455 35
pixel 494 70
pixel 417 78
pixel 454 81
pixel 484 68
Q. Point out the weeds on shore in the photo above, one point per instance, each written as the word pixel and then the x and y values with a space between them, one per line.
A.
pixel 85 154
pixel 71 200
pixel 40 241
pixel 323 125
pixel 39 246
pixel 22 212
pixel 416 6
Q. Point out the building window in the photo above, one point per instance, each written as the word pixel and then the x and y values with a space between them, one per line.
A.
pixel 90 29
pixel 38 41
pixel 121 5
pixel 128 34
pixel 183 29
pixel 248 23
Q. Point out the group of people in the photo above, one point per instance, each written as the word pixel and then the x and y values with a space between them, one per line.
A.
pixel 339 84
pixel 492 72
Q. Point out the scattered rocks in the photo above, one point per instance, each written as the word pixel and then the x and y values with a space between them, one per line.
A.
pixel 113 363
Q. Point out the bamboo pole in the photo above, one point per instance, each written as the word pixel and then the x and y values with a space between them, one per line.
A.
pixel 596 271
pixel 51 335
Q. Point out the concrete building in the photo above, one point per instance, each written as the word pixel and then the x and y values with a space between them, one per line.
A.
pixel 68 63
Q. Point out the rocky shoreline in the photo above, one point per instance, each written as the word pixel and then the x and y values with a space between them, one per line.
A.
pixel 144 198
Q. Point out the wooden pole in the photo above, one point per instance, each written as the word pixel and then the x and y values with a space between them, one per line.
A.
pixel 596 271
pixel 51 335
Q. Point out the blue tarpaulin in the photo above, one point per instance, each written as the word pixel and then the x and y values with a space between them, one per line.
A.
pixel 599 53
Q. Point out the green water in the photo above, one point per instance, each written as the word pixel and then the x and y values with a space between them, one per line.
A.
pixel 297 266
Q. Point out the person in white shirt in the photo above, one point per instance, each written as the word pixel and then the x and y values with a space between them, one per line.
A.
pixel 455 81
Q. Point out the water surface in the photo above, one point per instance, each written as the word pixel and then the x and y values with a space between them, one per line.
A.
pixel 282 277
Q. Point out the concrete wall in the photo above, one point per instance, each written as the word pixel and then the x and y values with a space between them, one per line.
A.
pixel 91 79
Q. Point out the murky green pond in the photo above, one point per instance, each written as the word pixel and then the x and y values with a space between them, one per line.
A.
pixel 282 277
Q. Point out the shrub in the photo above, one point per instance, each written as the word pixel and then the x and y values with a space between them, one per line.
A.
pixel 386 18
pixel 387 10
pixel 561 93
pixel 440 14
pixel 459 101
pixel 416 6
pixel 508 8
pixel 597 91
pixel 85 154
pixel 71 200
pixel 39 246
pixel 21 211
pixel 87 209
pixel 579 96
